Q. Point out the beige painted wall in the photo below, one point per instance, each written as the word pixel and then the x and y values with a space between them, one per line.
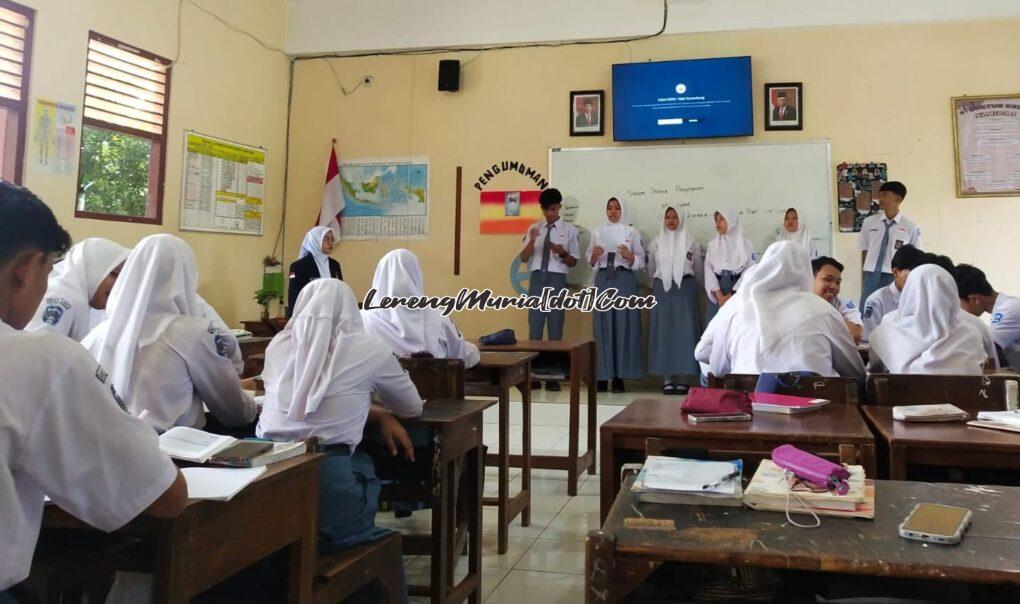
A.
pixel 879 94
pixel 223 85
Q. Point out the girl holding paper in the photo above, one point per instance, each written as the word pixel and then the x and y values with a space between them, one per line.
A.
pixel 728 255
pixel 615 252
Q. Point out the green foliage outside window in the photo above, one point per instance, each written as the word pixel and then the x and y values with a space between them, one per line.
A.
pixel 114 175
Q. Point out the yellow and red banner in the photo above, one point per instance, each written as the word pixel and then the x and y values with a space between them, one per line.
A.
pixel 508 212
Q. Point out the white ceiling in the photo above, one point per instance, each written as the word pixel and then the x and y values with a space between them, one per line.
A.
pixel 359 26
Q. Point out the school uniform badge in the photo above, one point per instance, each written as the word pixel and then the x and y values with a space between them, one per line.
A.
pixel 52 314
pixel 101 374
pixel 868 311
pixel 996 318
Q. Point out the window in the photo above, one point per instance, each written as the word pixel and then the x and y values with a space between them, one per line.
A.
pixel 123 137
pixel 15 61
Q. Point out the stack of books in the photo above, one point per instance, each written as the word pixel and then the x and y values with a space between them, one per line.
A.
pixel 198 446
pixel 773 488
pixel 928 413
pixel 998 420
pixel 766 402
pixel 690 481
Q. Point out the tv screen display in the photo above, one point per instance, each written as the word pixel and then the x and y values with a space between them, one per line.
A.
pixel 695 98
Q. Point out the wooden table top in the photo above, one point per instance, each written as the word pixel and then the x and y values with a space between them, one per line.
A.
pixel 989 552
pixel 438 412
pixel 537 346
pixel 662 417
pixel 499 360
pixel 942 435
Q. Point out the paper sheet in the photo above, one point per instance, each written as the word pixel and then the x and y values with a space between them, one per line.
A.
pixel 687 475
pixel 219 484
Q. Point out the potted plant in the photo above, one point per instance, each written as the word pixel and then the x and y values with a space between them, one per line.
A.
pixel 265 297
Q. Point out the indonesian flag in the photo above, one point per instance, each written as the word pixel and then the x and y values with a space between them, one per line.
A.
pixel 332 196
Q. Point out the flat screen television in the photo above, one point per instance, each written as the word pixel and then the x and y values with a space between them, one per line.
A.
pixel 693 98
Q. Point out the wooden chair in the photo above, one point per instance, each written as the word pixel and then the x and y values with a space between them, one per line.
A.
pixel 969 392
pixel 341 574
pixel 839 390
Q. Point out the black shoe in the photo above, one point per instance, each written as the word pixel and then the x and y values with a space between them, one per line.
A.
pixel 552 386
pixel 617 385
pixel 602 386
pixel 535 384
pixel 680 389
pixel 668 389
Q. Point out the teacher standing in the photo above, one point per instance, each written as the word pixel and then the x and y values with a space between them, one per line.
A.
pixel 313 263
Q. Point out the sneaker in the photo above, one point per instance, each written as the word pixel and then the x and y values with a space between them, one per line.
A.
pixel 617 385
pixel 552 386
pixel 602 386
pixel 668 389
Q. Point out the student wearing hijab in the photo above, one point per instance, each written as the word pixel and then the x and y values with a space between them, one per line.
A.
pixel 82 281
pixel 675 326
pixel 320 375
pixel 164 358
pixel 615 252
pixel 64 434
pixel 776 324
pixel 229 340
pixel 927 333
pixel 727 257
pixel 411 331
pixel 827 283
pixel 793 230
pixel 978 297
pixel 313 263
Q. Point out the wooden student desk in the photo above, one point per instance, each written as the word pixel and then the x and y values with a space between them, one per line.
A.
pixel 494 375
pixel 637 537
pixel 250 349
pixel 941 443
pixel 823 432
pixel 582 369
pixel 212 540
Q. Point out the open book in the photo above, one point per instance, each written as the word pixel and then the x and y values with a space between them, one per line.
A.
pixel 198 446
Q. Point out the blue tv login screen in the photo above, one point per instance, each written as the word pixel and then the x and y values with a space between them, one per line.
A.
pixel 694 98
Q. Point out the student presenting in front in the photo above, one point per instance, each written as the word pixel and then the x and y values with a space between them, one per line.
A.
pixel 775 323
pixel 881 235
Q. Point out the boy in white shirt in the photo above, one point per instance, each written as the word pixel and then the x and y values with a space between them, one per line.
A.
pixel 65 432
pixel 881 235
pixel 887 299
pixel 828 279
pixel 977 297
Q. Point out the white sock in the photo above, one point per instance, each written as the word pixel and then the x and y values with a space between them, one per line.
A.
pixel 666 381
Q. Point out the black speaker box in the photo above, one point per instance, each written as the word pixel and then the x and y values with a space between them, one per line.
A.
pixel 449 75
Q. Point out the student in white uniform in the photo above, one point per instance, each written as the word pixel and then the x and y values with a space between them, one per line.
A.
pixel 887 299
pixel 793 230
pixel 551 247
pixel 615 252
pixel 674 326
pixel 778 325
pixel 164 357
pixel 728 255
pixel 82 281
pixel 320 375
pixel 881 235
pixel 928 334
pixel 412 331
pixel 64 435
pixel 828 279
pixel 209 313
pixel 978 297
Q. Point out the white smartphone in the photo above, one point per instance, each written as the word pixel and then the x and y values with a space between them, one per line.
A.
pixel 934 523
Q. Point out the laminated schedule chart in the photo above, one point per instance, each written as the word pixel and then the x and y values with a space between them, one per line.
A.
pixel 223 188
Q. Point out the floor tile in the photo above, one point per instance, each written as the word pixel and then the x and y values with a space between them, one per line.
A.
pixel 554 556
pixel 525 587
pixel 419 574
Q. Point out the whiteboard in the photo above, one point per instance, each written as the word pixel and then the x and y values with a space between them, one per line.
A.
pixel 760 180
pixel 223 185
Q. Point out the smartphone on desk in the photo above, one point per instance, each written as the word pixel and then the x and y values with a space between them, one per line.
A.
pixel 934 523
pixel 701 418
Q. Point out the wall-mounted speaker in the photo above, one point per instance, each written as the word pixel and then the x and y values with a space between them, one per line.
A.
pixel 449 75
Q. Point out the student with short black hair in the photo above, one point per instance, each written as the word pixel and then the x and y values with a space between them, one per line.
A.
pixel 882 234
pixel 66 433
pixel 887 299
pixel 828 280
pixel 552 248
pixel 978 297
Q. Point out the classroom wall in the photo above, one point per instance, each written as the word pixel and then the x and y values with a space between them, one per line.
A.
pixel 879 93
pixel 223 85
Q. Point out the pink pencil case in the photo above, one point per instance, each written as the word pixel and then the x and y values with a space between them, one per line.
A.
pixel 819 473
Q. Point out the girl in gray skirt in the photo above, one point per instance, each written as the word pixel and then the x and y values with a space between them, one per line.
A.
pixel 675 326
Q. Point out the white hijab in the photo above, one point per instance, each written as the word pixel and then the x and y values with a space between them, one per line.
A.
pixel 730 251
pixel 801 235
pixel 925 334
pixel 158 284
pixel 77 277
pixel 611 234
pixel 323 351
pixel 778 294
pixel 312 244
pixel 407 330
pixel 671 253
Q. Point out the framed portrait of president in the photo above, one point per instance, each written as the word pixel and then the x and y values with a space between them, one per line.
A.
pixel 587 110
pixel 784 106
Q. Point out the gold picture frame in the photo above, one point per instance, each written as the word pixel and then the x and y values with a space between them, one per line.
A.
pixel 1009 110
